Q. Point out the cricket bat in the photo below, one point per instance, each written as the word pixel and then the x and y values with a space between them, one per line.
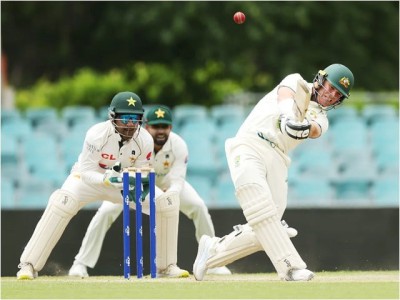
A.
pixel 301 100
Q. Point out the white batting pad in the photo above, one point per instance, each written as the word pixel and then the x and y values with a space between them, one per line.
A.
pixel 262 216
pixel 239 243
pixel 167 223
pixel 59 211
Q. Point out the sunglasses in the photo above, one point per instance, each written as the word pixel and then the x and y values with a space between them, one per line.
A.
pixel 126 118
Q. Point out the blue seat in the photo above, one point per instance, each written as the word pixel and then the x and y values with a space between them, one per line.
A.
pixel 349 137
pixel 76 114
pixel 227 112
pixel 311 192
pixel 225 193
pixel 198 129
pixel 377 112
pixel 52 171
pixel 385 191
pixel 316 162
pixel 202 159
pixel 43 115
pixel 57 130
pixel 71 147
pixel 14 171
pixel 384 134
pixel 8 200
pixel 185 113
pixel 34 193
pixel 336 116
pixel 355 180
pixel 82 126
pixel 387 161
pixel 224 131
pixel 19 129
pixel 9 149
pixel 203 186
pixel 10 115
pixel 102 113
pixel 34 155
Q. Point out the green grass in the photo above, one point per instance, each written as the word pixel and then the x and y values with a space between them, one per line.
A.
pixel 326 285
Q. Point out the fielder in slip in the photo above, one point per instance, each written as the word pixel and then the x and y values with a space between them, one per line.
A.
pixel 170 164
pixel 258 161
pixel 93 178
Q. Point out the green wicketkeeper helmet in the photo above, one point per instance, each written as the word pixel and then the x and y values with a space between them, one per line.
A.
pixel 125 103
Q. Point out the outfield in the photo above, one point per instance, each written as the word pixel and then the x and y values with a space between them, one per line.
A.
pixel 326 285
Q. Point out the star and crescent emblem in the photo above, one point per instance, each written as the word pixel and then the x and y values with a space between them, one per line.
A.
pixel 160 113
pixel 131 101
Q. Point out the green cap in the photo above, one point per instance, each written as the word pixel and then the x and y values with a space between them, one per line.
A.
pixel 159 114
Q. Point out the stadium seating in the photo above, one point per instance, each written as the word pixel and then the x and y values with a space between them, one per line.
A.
pixel 226 113
pixel 224 131
pixel 36 156
pixel 9 148
pixel 46 115
pixel 385 191
pixel 71 147
pixel 355 163
pixel 20 129
pixel 8 200
pixel 77 114
pixel 344 112
pixel 225 193
pixel 10 115
pixel 34 193
pixel 311 191
pixel 349 138
pixel 188 112
pixel 57 129
pixel 203 186
pixel 102 114
pixel 374 112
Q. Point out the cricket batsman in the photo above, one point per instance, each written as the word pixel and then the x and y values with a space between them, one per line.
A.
pixel 170 165
pixel 258 162
pixel 109 147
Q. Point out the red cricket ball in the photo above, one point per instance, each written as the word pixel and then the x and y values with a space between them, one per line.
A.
pixel 239 17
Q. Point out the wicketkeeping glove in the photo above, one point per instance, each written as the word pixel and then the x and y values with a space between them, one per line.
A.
pixel 113 176
pixel 132 188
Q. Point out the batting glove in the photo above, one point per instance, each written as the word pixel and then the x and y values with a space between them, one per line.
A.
pixel 295 130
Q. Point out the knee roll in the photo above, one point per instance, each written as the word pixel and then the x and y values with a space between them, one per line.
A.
pixel 256 203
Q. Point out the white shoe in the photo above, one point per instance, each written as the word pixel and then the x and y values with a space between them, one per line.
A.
pixel 291 232
pixel 27 272
pixel 79 270
pixel 173 271
pixel 203 253
pixel 219 271
pixel 299 275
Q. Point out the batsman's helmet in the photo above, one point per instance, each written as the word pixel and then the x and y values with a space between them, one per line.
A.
pixel 339 76
pixel 125 103
pixel 159 114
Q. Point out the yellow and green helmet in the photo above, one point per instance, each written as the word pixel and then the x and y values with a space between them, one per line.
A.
pixel 339 76
pixel 158 114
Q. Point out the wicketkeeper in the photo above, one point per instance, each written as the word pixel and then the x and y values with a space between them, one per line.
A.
pixel 258 161
pixel 119 140
pixel 170 165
